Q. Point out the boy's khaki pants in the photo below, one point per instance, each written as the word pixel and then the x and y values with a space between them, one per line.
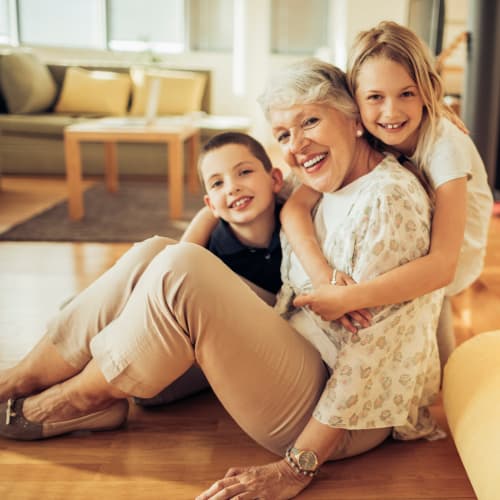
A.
pixel 163 307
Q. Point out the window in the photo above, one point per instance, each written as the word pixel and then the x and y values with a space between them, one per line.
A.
pixel 7 22
pixel 155 25
pixel 164 26
pixel 298 27
pixel 78 23
pixel 211 25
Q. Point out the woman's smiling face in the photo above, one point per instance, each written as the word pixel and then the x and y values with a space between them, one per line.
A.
pixel 319 144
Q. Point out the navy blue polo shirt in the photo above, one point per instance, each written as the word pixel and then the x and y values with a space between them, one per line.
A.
pixel 258 265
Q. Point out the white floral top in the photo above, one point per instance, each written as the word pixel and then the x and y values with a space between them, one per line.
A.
pixel 387 374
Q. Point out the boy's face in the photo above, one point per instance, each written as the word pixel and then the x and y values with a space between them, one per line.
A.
pixel 239 190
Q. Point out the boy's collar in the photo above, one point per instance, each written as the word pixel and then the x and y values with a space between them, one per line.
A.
pixel 227 243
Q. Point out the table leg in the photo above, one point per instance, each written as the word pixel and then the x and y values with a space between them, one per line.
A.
pixel 194 151
pixel 73 162
pixel 175 177
pixel 111 167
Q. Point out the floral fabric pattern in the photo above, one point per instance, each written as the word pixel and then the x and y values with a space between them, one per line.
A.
pixel 385 375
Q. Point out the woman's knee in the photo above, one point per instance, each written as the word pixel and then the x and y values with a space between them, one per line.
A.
pixel 189 258
pixel 152 246
pixel 186 252
pixel 142 253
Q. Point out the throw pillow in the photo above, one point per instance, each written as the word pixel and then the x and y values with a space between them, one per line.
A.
pixel 27 83
pixel 100 92
pixel 180 91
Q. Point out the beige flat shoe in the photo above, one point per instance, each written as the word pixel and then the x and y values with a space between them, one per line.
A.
pixel 13 424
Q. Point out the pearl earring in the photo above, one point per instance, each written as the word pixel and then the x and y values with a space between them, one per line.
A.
pixel 359 133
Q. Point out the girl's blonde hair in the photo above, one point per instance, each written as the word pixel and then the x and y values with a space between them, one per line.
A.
pixel 306 82
pixel 401 45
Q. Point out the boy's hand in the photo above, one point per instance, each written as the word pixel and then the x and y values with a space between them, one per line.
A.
pixel 328 302
pixel 200 228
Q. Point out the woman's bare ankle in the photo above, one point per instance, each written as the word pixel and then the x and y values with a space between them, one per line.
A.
pixel 14 384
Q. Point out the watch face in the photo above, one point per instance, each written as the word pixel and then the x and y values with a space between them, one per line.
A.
pixel 307 460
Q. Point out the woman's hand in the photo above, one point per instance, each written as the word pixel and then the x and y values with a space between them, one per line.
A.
pixel 329 303
pixel 274 481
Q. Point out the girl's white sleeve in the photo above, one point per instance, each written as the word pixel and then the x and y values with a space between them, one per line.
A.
pixel 451 157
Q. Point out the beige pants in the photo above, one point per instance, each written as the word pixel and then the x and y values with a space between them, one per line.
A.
pixel 159 310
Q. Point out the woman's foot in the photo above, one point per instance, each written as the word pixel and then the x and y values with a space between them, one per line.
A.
pixel 15 425
pixel 57 404
pixel 84 402
pixel 77 404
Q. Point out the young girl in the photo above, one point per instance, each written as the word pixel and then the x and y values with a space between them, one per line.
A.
pixel 399 95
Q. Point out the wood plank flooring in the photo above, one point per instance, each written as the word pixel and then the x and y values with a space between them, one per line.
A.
pixel 176 451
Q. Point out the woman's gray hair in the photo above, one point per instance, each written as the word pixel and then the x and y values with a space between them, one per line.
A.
pixel 307 82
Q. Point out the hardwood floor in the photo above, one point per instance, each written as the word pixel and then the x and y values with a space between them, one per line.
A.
pixel 176 451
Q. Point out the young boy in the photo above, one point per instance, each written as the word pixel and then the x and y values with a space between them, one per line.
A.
pixel 241 186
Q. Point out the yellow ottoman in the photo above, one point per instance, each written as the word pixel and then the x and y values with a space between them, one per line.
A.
pixel 471 397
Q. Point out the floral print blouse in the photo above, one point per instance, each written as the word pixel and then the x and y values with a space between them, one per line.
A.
pixel 386 375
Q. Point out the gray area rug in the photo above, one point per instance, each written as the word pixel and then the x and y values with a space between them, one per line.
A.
pixel 137 211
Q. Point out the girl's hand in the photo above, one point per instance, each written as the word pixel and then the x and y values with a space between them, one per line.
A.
pixel 329 303
pixel 274 481
pixel 341 279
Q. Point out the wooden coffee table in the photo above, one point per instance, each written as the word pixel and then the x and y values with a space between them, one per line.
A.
pixel 173 132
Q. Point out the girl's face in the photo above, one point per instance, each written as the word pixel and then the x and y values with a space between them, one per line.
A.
pixel 239 189
pixel 319 144
pixel 390 103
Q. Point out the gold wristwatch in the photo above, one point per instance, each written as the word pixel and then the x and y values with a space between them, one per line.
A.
pixel 304 462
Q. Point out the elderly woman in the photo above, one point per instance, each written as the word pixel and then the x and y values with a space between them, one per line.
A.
pixel 329 393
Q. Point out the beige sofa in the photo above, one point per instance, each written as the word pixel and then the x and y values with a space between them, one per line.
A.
pixel 38 100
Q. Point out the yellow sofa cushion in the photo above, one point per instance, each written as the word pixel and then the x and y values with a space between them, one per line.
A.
pixel 471 398
pixel 181 92
pixel 100 92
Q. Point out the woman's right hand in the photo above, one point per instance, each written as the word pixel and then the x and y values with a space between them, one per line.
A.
pixel 274 481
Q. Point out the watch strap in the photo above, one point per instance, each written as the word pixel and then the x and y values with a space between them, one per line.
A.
pixel 289 457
